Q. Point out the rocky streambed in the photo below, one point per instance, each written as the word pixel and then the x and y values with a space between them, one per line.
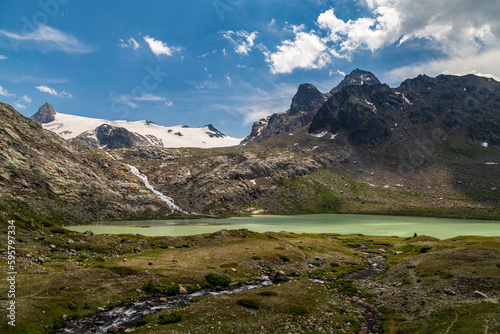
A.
pixel 126 314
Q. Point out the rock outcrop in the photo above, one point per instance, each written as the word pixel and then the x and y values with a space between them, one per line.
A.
pixel 305 104
pixel 112 137
pixel 45 114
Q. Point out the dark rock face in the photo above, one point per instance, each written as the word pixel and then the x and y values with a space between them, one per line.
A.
pixel 367 114
pixel 467 104
pixel 112 137
pixel 305 104
pixel 213 132
pixel 358 113
pixel 356 78
pixel 308 100
pixel 45 114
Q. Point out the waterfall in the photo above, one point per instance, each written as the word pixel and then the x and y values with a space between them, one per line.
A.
pixel 163 197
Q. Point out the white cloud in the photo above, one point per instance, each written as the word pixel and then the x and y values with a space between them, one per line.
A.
pixel 306 51
pixel 485 64
pixel 130 43
pixel 19 104
pixel 149 97
pixel 224 52
pixel 454 27
pixel 208 53
pixel 228 78
pixel 52 91
pixel 243 40
pixel 47 38
pixel 169 103
pixel 2 57
pixel 364 32
pixel 160 48
pixel 129 100
pixel 25 99
pixel 4 92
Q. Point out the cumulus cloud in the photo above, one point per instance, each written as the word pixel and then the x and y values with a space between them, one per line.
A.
pixel 129 43
pixel 169 103
pixel 47 38
pixel 243 40
pixel 306 51
pixel 2 57
pixel 160 48
pixel 453 26
pixel 52 91
pixel 459 29
pixel 4 92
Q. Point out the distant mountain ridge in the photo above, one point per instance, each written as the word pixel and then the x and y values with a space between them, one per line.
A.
pixel 103 133
pixel 465 106
pixel 306 102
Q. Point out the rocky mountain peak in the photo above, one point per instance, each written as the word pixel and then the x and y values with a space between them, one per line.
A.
pixel 357 78
pixel 307 99
pixel 45 114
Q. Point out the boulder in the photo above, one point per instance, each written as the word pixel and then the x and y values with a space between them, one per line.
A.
pixel 479 294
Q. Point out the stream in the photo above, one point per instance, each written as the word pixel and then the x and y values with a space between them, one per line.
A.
pixel 126 314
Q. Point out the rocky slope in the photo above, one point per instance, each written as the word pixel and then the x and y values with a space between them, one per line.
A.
pixel 43 175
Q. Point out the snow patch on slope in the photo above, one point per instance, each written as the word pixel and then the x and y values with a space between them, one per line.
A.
pixel 325 135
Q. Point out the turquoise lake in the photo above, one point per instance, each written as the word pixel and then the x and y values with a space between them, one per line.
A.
pixel 322 223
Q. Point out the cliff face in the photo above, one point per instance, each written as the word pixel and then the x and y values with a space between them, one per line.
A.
pixel 42 173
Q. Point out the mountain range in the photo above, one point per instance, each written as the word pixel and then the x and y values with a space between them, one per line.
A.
pixel 428 147
pixel 119 134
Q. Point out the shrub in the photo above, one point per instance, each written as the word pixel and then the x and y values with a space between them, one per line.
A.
pixel 345 286
pixel 229 265
pixel 71 306
pixel 58 230
pixel 284 257
pixel 411 266
pixel 334 264
pixel 248 303
pixel 424 249
pixel 218 280
pixel 257 258
pixel 316 264
pixel 296 310
pixel 161 289
pixel 268 293
pixel 169 318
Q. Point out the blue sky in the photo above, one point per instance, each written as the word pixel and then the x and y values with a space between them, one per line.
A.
pixel 227 62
